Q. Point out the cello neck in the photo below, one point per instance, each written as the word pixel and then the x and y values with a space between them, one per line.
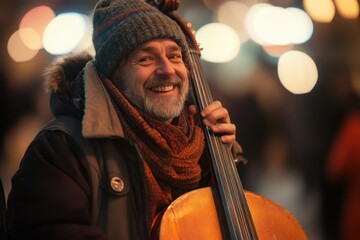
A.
pixel 231 202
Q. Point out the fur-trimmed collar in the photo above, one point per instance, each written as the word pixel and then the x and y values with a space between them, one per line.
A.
pixel 59 75
pixel 100 118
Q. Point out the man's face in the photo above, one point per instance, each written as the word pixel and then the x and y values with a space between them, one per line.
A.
pixel 155 79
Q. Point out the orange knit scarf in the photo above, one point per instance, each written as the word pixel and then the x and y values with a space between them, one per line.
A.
pixel 171 152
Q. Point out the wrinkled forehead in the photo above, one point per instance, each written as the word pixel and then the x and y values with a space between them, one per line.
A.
pixel 156 45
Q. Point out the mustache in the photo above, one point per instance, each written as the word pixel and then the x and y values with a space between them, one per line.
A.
pixel 162 81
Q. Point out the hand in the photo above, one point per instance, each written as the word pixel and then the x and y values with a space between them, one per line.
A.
pixel 217 119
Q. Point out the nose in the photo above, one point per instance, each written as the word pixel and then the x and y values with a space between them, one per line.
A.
pixel 165 68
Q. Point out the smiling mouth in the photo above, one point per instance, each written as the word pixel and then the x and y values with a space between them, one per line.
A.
pixel 162 88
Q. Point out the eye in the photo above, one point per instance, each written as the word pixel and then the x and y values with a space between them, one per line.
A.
pixel 175 57
pixel 145 60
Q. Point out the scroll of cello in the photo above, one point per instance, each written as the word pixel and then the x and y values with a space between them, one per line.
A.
pixel 224 210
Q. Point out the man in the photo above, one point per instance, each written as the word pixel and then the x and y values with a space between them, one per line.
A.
pixel 124 143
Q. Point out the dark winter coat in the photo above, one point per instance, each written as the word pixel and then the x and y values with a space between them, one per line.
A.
pixel 54 193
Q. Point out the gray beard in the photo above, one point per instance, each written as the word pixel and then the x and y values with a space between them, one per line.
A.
pixel 164 110
pixel 161 109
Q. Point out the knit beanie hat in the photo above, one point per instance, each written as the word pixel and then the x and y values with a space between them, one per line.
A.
pixel 122 25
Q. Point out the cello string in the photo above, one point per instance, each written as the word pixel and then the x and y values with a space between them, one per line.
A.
pixel 238 212
pixel 230 169
pixel 203 100
pixel 231 204
pixel 222 166
pixel 236 217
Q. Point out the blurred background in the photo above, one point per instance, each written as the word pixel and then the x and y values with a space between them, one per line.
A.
pixel 287 70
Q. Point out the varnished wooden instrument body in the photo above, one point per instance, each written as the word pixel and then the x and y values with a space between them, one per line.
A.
pixel 193 216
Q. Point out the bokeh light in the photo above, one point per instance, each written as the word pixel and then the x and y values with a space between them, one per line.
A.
pixel 320 10
pixel 220 43
pixel 64 33
pixel 297 72
pixel 85 43
pixel 302 28
pixel 233 14
pixel 35 21
pixel 250 23
pixel 348 9
pixel 270 25
pixel 30 38
pixel 17 50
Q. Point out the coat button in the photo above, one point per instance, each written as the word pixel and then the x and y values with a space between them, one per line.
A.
pixel 117 184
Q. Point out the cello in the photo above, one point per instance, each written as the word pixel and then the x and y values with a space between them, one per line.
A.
pixel 224 210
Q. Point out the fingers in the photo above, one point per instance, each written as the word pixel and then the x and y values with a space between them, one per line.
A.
pixel 223 128
pixel 215 113
pixel 217 119
pixel 228 139
pixel 227 131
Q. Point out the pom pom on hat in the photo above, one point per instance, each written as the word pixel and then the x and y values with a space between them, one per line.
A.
pixel 119 26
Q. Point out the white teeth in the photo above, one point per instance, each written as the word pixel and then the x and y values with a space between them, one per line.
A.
pixel 163 88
